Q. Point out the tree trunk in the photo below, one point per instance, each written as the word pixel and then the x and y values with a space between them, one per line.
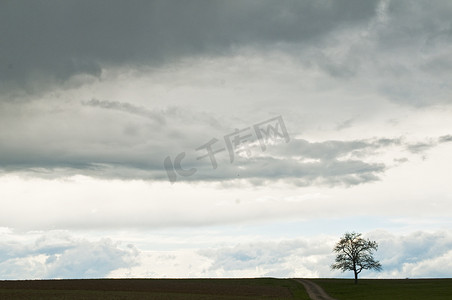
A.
pixel 356 277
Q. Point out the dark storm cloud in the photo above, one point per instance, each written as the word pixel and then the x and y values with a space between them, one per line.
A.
pixel 47 41
pixel 412 50
pixel 299 162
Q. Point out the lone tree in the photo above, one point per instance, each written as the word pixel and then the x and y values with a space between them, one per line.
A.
pixel 355 254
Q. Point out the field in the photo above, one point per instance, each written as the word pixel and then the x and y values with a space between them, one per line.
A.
pixel 379 289
pixel 190 289
pixel 223 289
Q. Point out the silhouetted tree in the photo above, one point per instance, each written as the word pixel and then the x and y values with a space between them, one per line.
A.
pixel 355 254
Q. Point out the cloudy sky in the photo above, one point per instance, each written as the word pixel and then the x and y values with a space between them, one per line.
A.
pixel 223 138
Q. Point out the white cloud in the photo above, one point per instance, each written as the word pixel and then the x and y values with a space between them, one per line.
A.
pixel 417 254
pixel 60 255
pixel 414 255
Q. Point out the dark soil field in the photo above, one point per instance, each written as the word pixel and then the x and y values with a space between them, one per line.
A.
pixel 261 288
pixel 223 289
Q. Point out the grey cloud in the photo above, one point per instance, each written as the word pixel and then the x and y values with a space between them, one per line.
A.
pixel 415 39
pixel 47 41
pixel 304 163
pixel 401 160
pixel 334 149
pixel 345 124
pixel 127 107
pixel 396 49
pixel 269 169
pixel 357 148
pixel 445 138
pixel 402 53
pixel 141 156
pixel 438 64
pixel 418 15
pixel 421 147
pixel 111 139
pixel 147 163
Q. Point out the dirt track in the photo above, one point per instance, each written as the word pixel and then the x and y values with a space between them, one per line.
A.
pixel 315 292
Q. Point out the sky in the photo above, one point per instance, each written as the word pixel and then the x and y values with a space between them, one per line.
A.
pixel 170 139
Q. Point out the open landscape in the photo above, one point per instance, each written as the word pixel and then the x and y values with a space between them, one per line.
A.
pixel 212 149
pixel 253 288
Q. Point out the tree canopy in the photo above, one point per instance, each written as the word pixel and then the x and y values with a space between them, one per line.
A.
pixel 355 253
